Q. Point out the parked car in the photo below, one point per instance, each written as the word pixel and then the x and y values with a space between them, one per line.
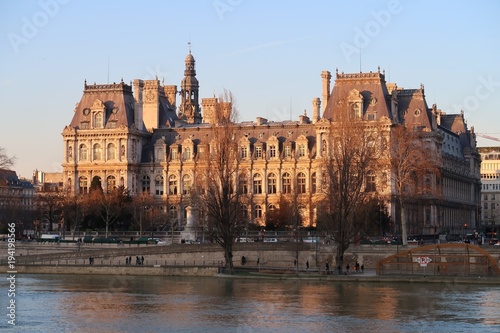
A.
pixel 156 241
pixel 270 240
pixel 105 240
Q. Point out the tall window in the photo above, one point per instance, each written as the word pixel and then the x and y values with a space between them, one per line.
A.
pixel 84 185
pixel 286 180
pixel 83 152
pixel 186 184
pixel 258 211
pixel 172 212
pixel 243 152
pixel 173 153
pixel 244 211
pixel 287 151
pixel 159 185
pixel 302 150
pixel 272 151
pixel 271 183
pixel 187 153
pixel 146 184
pixel 98 120
pixel 323 148
pixel 258 153
pixel 301 183
pixel 243 184
pixel 172 185
pixel 313 183
pixel 111 151
pixel 97 152
pixel 370 181
pixel 110 183
pixel 257 184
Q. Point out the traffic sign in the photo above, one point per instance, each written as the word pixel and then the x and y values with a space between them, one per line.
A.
pixel 423 261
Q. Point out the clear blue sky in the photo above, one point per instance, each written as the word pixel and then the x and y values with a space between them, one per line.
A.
pixel 270 54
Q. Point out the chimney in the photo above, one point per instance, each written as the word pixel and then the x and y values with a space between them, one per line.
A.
pixel 326 76
pixel 316 106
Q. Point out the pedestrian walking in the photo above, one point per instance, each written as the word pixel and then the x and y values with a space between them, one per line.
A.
pixel 142 260
pixel 307 265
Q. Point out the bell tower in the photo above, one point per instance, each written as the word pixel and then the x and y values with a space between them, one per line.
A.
pixel 189 110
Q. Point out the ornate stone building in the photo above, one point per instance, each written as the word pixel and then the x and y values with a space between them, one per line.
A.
pixel 139 138
pixel 490 178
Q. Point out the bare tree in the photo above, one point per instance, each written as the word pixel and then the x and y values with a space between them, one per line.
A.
pixel 142 205
pixel 414 167
pixel 219 193
pixel 352 151
pixel 49 207
pixel 6 162
pixel 109 206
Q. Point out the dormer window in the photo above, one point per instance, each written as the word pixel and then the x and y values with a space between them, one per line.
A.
pixel 287 151
pixel 243 152
pixel 302 150
pixel 98 120
pixel 272 151
pixel 258 152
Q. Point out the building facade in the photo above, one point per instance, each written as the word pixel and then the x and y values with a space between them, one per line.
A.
pixel 135 135
pixel 16 201
pixel 490 196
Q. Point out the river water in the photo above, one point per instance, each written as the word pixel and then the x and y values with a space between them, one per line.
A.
pixel 90 303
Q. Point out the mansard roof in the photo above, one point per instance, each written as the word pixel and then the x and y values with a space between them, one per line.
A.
pixel 118 104
pixel 456 123
pixel 413 110
pixel 8 177
pixel 372 88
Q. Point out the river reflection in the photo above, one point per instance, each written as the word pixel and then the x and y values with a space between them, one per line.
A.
pixel 81 303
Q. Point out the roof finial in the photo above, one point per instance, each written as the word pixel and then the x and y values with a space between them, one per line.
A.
pixel 189 46
pixel 378 69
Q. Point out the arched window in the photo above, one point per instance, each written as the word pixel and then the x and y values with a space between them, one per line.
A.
pixel 301 183
pixel 257 184
pixel 172 212
pixel 244 211
pixel 286 180
pixel 186 184
pixel 243 184
pixel 271 183
pixel 172 185
pixel 111 151
pixel 97 155
pixel 159 185
pixel 110 183
pixel 323 148
pixel 83 152
pixel 146 184
pixel 84 185
pixel 258 211
pixel 370 181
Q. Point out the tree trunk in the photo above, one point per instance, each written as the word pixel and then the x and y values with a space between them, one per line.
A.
pixel 228 256
pixel 404 235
